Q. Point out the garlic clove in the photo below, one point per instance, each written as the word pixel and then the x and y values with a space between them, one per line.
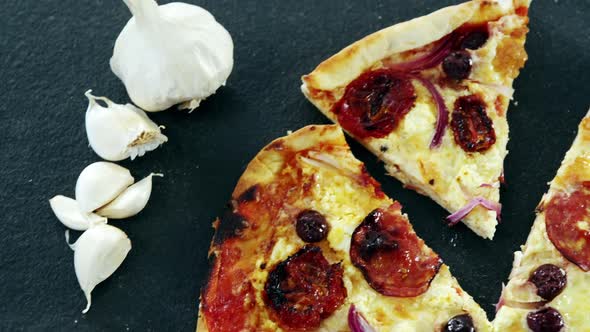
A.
pixel 117 132
pixel 98 252
pixel 100 183
pixel 186 55
pixel 68 212
pixel 131 201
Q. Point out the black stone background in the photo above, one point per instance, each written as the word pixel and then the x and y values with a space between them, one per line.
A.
pixel 52 51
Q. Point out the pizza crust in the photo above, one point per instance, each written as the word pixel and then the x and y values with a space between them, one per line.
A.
pixel 263 168
pixel 348 64
pixel 201 326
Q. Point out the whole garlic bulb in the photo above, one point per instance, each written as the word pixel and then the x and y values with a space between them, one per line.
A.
pixel 117 132
pixel 170 54
pixel 98 252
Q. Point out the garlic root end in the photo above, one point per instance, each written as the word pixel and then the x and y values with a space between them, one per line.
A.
pixel 72 245
pixel 88 302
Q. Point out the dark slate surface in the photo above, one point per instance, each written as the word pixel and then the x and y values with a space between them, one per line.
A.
pixel 52 51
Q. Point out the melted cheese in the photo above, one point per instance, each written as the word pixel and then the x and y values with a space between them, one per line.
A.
pixel 511 320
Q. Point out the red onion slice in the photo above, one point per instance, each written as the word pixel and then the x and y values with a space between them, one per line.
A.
pixel 501 301
pixel 428 60
pixel 490 185
pixel 441 107
pixel 356 321
pixel 454 218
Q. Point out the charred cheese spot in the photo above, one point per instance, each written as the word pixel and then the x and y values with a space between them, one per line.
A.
pixel 249 194
pixel 510 57
pixel 229 225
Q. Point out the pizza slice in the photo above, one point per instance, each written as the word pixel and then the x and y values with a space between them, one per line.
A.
pixel 309 242
pixel 429 97
pixel 549 287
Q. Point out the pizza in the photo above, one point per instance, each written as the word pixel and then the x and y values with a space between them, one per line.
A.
pixel 549 283
pixel 309 242
pixel 429 97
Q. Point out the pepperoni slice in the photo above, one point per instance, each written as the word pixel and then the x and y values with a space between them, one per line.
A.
pixel 374 104
pixel 393 260
pixel 567 218
pixel 472 128
pixel 304 289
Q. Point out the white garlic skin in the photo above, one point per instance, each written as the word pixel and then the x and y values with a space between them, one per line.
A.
pixel 98 252
pixel 171 54
pixel 68 211
pixel 131 201
pixel 100 183
pixel 118 132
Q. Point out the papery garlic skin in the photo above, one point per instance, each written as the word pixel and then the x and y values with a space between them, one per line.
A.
pixel 171 54
pixel 117 132
pixel 100 183
pixel 98 252
pixel 131 201
pixel 68 211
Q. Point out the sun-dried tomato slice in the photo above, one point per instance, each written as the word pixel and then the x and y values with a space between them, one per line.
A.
pixel 304 289
pixel 472 128
pixel 374 104
pixel 567 217
pixel 394 261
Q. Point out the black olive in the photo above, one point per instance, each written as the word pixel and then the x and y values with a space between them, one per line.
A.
pixel 550 280
pixel 460 323
pixel 311 226
pixel 545 320
pixel 475 40
pixel 457 65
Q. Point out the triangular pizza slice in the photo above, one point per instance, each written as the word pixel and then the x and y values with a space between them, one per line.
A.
pixel 549 287
pixel 309 242
pixel 429 97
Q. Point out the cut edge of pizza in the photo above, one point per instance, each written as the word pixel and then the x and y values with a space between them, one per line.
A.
pixel 429 98
pixel 310 242
pixel 549 285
